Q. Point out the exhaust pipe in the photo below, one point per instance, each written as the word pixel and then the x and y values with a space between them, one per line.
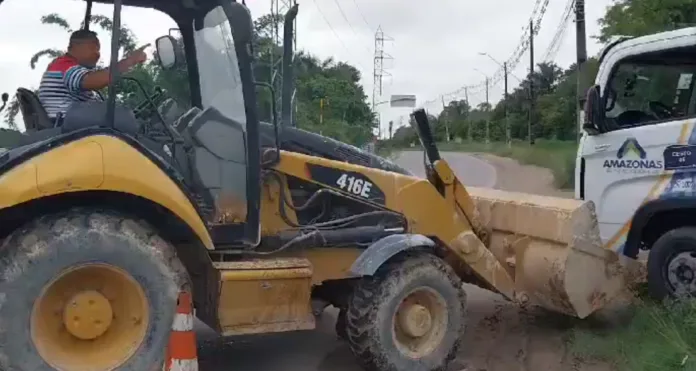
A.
pixel 288 78
pixel 5 97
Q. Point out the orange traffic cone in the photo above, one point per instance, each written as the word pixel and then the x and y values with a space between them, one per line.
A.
pixel 181 351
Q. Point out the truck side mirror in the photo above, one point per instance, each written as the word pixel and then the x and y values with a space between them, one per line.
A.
pixel 594 112
pixel 168 52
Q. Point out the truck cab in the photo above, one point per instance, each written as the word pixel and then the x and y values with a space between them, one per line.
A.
pixel 637 156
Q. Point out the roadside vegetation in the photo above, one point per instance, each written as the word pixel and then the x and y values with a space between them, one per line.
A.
pixel 657 337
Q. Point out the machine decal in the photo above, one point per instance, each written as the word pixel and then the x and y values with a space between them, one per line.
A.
pixel 631 158
pixel 351 182
pixel 677 183
pixel 680 157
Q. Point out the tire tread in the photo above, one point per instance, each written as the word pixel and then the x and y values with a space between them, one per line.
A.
pixel 361 313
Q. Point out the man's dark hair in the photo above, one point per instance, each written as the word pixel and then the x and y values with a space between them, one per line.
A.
pixel 81 36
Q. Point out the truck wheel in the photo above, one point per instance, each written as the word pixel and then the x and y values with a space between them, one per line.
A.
pixel 672 264
pixel 410 316
pixel 86 288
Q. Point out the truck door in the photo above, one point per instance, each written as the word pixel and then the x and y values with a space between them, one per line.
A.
pixel 647 106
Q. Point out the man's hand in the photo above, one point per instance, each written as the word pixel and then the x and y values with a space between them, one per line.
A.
pixel 137 56
pixel 96 80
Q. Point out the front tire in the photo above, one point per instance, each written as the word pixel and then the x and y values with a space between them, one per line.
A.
pixel 672 265
pixel 410 316
pixel 86 287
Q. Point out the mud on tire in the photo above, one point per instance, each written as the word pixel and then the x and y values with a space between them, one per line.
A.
pixel 32 256
pixel 374 309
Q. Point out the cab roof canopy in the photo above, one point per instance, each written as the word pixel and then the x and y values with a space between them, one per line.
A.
pixel 174 8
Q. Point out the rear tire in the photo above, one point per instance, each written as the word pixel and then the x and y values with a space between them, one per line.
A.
pixel 120 257
pixel 410 316
pixel 672 265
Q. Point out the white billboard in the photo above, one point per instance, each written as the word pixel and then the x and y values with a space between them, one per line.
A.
pixel 402 101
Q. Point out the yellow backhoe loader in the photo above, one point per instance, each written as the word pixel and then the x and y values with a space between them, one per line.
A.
pixel 106 217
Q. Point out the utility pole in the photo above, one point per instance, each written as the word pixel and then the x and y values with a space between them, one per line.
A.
pixel 468 115
pixel 378 72
pixel 530 132
pixel 321 116
pixel 581 46
pixel 488 115
pixel 444 107
pixel 507 102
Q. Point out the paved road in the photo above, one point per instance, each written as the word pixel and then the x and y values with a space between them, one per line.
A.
pixel 320 350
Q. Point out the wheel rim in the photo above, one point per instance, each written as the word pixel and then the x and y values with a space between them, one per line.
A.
pixel 681 273
pixel 92 316
pixel 420 322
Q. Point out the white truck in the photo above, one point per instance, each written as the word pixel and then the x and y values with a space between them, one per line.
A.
pixel 637 156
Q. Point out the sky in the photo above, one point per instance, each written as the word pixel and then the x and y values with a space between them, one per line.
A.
pixel 433 46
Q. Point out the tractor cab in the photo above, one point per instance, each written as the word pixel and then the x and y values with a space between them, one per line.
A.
pixel 212 148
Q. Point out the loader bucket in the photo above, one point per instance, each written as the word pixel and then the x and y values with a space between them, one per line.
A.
pixel 552 248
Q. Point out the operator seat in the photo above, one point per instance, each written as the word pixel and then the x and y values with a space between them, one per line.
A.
pixel 36 121
pixel 182 123
pixel 217 159
pixel 33 112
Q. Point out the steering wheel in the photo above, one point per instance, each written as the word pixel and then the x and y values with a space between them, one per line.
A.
pixel 632 117
pixel 143 110
pixel 661 110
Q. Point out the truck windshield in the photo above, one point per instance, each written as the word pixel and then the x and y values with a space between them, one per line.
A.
pixel 220 82
pixel 643 87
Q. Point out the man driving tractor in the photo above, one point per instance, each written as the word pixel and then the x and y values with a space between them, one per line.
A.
pixel 73 78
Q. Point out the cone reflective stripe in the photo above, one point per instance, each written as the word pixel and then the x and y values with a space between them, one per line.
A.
pixel 181 351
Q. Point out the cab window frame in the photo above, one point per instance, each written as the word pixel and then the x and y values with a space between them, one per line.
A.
pixel 670 57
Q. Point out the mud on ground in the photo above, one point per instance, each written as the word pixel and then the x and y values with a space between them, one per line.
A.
pixel 504 337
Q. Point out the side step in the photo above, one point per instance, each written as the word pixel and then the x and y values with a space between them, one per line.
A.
pixel 265 295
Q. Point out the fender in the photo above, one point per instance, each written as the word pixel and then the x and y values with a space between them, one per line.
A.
pixel 642 217
pixel 97 162
pixel 382 250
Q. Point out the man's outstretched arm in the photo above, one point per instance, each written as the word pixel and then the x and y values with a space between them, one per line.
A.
pixel 79 78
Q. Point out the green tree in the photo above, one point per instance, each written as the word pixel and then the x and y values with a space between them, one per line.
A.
pixel 345 114
pixel 642 17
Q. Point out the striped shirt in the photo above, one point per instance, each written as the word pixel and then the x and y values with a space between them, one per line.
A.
pixel 61 85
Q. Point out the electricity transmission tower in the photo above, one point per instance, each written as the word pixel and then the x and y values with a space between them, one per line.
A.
pixel 379 72
pixel 278 10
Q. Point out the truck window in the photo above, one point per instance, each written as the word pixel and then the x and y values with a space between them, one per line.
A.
pixel 646 93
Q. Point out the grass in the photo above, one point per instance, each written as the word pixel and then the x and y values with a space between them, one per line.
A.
pixel 558 156
pixel 658 338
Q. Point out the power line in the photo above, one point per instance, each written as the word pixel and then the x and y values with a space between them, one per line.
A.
pixel 536 17
pixel 558 37
pixel 340 9
pixel 362 15
pixel 326 20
